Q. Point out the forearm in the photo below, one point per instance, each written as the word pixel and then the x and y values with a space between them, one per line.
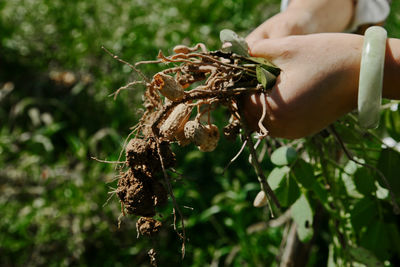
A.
pixel 305 17
pixel 324 15
pixel 391 78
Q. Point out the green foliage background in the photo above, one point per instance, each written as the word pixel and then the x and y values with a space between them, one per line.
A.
pixel 55 114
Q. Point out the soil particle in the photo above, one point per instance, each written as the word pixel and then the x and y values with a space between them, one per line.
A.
pixel 148 226
pixel 160 195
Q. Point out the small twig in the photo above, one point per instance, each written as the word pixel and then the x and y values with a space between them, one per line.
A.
pixel 126 141
pixel 235 157
pixel 263 152
pixel 258 142
pixel 109 198
pixel 148 62
pixel 115 94
pixel 256 164
pixel 396 208
pixel 126 63
pixel 260 175
pixel 106 161
pixel 290 248
pixel 176 207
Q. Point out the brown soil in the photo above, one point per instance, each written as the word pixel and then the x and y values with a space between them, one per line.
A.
pixel 140 193
pixel 142 154
pixel 148 226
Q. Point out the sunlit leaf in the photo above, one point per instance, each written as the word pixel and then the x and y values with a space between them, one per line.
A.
pixel 283 156
pixel 266 78
pixel 239 44
pixel 266 64
pixel 302 214
pixel 284 186
pixel 276 176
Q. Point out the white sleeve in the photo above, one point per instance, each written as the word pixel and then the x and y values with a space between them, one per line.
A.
pixel 369 12
pixel 284 4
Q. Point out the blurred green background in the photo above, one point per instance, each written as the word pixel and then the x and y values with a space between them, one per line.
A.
pixel 56 113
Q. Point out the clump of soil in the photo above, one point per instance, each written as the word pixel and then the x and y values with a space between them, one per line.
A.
pixel 140 193
pixel 148 226
pixel 142 154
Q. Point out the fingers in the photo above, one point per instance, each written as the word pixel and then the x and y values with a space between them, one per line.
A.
pixel 271 49
pixel 257 35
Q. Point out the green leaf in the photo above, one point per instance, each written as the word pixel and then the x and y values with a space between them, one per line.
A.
pixel 389 165
pixel 364 181
pixel 284 185
pixel 392 124
pixel 288 191
pixel 283 156
pixel 376 239
pixel 320 192
pixel 364 256
pixel 239 44
pixel 276 176
pixel 394 237
pixel 302 214
pixel 266 64
pixel 266 78
pixel 304 173
pixel 347 134
pixel 206 214
pixel 363 213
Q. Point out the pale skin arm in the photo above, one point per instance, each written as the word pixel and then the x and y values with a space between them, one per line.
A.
pixel 306 17
pixel 318 83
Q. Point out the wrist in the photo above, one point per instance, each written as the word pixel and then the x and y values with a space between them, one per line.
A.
pixel 324 15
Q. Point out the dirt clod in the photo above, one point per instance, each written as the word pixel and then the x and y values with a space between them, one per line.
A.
pixel 135 192
pixel 148 226
pixel 143 154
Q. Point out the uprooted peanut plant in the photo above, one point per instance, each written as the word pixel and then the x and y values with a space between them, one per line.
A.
pixel 178 103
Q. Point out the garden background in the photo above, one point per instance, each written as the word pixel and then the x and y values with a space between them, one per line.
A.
pixel 56 113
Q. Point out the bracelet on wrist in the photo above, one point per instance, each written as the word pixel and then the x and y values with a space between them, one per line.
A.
pixel 371 77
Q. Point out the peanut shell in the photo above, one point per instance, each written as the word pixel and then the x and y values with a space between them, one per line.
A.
pixel 168 86
pixel 174 125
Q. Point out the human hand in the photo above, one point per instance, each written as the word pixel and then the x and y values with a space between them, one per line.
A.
pixel 318 83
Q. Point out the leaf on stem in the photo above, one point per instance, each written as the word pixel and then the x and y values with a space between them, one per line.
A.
pixel 284 155
pixel 238 44
pixel 302 214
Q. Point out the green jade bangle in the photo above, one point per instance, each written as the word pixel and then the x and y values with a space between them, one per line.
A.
pixel 371 77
